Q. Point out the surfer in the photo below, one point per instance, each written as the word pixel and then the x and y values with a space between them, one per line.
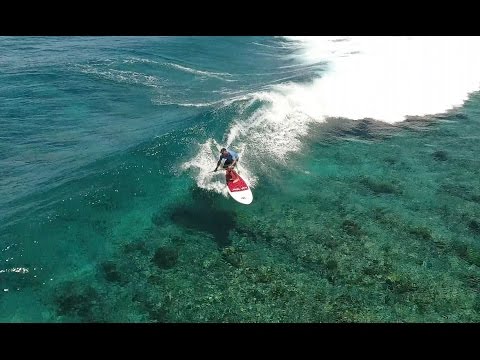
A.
pixel 231 159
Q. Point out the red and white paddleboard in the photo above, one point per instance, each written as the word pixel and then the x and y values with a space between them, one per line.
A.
pixel 240 191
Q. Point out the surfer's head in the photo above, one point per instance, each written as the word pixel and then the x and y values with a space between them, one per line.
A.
pixel 223 150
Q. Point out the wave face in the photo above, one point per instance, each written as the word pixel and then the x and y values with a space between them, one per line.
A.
pixel 383 78
pixel 72 101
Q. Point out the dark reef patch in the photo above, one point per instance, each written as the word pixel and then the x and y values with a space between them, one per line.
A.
pixel 352 228
pixel 440 155
pixel 77 300
pixel 111 273
pixel 379 187
pixel 165 257
pixel 474 226
pixel 421 232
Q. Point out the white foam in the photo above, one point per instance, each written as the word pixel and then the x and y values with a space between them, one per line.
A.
pixel 269 134
pixel 218 75
pixel 21 270
pixel 121 76
pixel 273 130
pixel 134 60
pixel 204 163
pixel 390 78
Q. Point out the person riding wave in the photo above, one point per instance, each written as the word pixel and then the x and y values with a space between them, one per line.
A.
pixel 231 159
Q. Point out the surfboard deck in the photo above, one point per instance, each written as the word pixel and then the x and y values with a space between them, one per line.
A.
pixel 240 191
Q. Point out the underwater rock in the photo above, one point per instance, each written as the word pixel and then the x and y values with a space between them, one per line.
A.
pixel 472 281
pixel 390 161
pixel 331 265
pixel 331 242
pixel 74 299
pixel 264 274
pixel 474 256
pixel 367 129
pixel 400 284
pixel 379 187
pixel 158 314
pixel 440 245
pixel 421 232
pixel 232 256
pixel 440 155
pixel 155 311
pixel 470 254
pixel 351 228
pixel 377 268
pixel 474 226
pixel 460 249
pixel 110 272
pixel 155 280
pixel 135 246
pixel 165 257
pixel 178 240
pixel 278 291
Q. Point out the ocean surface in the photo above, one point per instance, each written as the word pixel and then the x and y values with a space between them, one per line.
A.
pixel 362 154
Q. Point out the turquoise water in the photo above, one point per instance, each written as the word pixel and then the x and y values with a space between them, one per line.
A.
pixel 109 212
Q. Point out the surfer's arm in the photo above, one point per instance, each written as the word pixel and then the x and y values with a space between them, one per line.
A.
pixel 218 164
